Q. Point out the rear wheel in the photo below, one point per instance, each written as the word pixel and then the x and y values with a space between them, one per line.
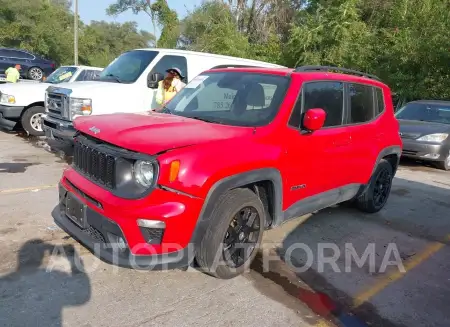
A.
pixel 31 121
pixel 35 73
pixel 233 236
pixel 377 193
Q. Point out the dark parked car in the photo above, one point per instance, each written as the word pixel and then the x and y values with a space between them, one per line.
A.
pixel 33 66
pixel 425 129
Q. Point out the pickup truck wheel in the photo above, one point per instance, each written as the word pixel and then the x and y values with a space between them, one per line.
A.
pixel 31 121
pixel 377 193
pixel 233 236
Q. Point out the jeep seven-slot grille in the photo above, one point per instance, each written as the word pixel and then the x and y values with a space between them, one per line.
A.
pixel 96 165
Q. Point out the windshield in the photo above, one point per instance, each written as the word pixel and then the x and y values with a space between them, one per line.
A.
pixel 128 66
pixel 62 74
pixel 435 113
pixel 231 98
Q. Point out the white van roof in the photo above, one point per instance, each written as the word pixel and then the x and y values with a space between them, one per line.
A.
pixel 205 54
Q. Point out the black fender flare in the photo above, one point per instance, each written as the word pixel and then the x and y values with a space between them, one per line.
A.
pixel 232 182
pixel 394 149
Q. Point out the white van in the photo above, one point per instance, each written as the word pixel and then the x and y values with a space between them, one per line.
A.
pixel 128 84
pixel 24 101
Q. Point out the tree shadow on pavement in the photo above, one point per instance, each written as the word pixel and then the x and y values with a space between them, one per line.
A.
pixel 35 295
pixel 415 217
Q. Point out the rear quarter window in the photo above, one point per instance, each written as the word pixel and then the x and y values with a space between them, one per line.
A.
pixel 380 100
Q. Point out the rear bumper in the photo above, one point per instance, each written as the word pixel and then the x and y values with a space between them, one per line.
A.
pixel 425 151
pixel 99 238
pixel 9 116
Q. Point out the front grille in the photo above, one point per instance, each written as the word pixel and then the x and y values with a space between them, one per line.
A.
pixel 96 165
pixel 55 105
pixel 95 234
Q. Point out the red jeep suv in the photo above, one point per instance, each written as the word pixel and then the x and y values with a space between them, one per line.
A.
pixel 236 152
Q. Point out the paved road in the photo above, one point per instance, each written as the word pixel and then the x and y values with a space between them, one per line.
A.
pixel 415 222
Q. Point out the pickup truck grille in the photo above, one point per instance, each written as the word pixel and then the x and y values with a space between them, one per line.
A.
pixel 93 163
pixel 57 106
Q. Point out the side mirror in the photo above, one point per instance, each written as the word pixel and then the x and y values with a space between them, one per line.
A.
pixel 313 120
pixel 154 79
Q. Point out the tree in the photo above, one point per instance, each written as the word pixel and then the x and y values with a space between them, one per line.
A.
pixel 212 28
pixel 100 41
pixel 158 11
pixel 136 6
pixel 46 27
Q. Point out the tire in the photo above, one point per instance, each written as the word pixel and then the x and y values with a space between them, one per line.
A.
pixel 444 165
pixel 35 73
pixel 369 201
pixel 31 121
pixel 212 252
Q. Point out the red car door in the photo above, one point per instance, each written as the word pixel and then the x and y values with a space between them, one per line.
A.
pixel 318 162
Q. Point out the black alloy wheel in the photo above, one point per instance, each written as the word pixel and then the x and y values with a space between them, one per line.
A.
pixel 382 187
pixel 376 194
pixel 241 237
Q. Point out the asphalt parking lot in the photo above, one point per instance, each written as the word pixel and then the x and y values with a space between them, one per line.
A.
pixel 415 225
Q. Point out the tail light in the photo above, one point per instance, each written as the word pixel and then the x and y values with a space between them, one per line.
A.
pixel 52 65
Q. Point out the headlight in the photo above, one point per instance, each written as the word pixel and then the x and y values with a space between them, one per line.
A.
pixel 134 178
pixel 438 137
pixel 80 107
pixel 144 173
pixel 8 99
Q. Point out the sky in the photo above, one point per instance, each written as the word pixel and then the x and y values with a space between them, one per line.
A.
pixel 96 10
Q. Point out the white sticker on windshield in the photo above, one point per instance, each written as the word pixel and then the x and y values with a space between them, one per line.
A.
pixel 196 82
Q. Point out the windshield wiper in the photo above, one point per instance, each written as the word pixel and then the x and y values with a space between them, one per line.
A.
pixel 166 110
pixel 207 120
pixel 114 77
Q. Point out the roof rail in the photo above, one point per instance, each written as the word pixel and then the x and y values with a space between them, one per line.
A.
pixel 337 69
pixel 234 66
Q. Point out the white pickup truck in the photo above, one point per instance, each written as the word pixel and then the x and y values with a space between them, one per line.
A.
pixel 128 84
pixel 23 102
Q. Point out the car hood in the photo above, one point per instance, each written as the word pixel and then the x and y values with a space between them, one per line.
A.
pixel 155 133
pixel 414 129
pixel 89 88
pixel 14 88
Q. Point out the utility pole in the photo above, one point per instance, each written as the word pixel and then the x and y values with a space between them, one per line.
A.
pixel 75 34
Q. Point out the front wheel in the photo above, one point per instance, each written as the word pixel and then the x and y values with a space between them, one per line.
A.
pixel 31 121
pixel 233 236
pixel 444 165
pixel 377 193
